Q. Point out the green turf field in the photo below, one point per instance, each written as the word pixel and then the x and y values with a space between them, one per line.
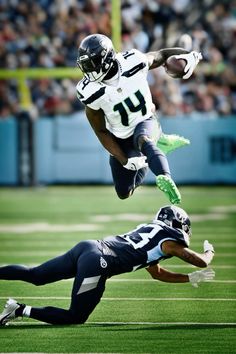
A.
pixel 136 314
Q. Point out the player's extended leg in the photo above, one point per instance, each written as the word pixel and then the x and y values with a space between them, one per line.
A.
pixel 88 287
pixel 145 136
pixel 61 267
pixel 87 290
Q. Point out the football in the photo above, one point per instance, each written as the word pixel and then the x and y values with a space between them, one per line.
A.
pixel 175 67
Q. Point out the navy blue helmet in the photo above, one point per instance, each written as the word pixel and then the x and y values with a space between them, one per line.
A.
pixel 96 55
pixel 175 217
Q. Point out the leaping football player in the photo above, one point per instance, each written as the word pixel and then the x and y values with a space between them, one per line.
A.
pixel 92 262
pixel 119 107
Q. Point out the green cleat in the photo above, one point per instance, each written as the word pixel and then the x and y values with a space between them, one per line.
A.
pixel 168 143
pixel 167 185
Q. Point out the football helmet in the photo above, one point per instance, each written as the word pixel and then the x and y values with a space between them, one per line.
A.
pixel 96 55
pixel 175 217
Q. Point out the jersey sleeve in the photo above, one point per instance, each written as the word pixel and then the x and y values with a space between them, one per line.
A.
pixel 90 93
pixel 142 57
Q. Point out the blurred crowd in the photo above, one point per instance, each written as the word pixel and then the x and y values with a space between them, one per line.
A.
pixel 46 34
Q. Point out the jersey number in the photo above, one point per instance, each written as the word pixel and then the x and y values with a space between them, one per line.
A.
pixel 128 104
pixel 140 240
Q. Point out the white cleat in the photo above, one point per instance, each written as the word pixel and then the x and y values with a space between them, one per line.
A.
pixel 9 312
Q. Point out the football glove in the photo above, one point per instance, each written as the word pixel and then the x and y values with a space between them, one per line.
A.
pixel 201 275
pixel 135 163
pixel 208 246
pixel 192 60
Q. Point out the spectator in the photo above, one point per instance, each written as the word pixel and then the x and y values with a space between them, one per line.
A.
pixel 57 27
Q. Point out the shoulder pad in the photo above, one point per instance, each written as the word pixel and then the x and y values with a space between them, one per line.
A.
pixel 135 55
pixel 177 235
pixel 88 92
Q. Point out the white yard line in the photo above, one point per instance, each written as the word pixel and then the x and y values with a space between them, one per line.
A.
pixel 135 323
pixel 27 243
pixel 153 280
pixel 139 280
pixel 124 298
pixel 56 252
pixel 46 227
pixel 142 217
pixel 166 265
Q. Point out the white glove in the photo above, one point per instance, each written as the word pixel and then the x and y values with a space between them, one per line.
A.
pixel 135 163
pixel 192 60
pixel 208 246
pixel 201 275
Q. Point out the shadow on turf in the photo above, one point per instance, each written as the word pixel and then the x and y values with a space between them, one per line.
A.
pixel 117 327
pixel 110 327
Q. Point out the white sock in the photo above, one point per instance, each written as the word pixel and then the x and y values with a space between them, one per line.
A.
pixel 26 311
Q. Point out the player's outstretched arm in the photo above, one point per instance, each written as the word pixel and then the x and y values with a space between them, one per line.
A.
pixel 194 278
pixel 158 58
pixel 164 275
pixel 197 259
pixel 97 122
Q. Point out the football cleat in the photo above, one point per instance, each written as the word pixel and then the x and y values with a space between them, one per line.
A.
pixel 167 185
pixel 9 312
pixel 168 143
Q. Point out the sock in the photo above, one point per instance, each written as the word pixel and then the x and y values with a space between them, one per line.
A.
pixel 156 159
pixel 20 310
pixel 26 311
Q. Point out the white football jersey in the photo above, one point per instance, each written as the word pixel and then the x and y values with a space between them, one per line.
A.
pixel 126 101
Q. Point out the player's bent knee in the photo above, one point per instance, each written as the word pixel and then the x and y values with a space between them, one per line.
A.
pixel 36 278
pixel 38 282
pixel 121 196
pixel 125 196
pixel 141 139
pixel 76 318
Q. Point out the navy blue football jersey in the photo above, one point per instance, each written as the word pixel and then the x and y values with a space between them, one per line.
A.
pixel 141 247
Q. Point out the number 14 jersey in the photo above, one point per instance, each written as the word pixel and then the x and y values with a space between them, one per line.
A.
pixel 126 100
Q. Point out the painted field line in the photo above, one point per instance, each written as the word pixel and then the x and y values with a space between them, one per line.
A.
pixel 134 323
pixel 139 217
pixel 27 243
pixel 46 227
pixel 59 251
pixel 168 323
pixel 166 265
pixel 124 298
pixel 138 280
pixel 53 352
pixel 153 280
pixel 57 353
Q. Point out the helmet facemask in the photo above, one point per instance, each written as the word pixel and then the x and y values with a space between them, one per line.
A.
pixel 96 57
pixel 175 217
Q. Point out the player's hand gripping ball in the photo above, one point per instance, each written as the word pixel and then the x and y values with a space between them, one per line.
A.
pixel 175 67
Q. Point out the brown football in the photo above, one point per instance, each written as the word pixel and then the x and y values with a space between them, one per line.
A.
pixel 175 67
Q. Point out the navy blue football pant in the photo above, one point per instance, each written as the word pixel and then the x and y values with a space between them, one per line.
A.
pixel 85 263
pixel 127 180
